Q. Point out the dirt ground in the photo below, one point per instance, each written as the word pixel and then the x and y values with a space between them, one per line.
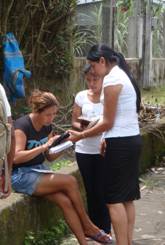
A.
pixel 150 217
pixel 150 211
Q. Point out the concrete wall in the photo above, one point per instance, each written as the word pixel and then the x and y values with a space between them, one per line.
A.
pixel 20 213
pixel 153 144
pixel 158 71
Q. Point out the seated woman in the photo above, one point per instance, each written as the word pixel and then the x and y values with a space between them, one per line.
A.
pixel 34 136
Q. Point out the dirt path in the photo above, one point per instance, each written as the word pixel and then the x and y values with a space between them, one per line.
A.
pixel 150 212
pixel 150 218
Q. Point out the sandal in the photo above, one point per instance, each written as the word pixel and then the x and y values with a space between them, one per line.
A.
pixel 101 237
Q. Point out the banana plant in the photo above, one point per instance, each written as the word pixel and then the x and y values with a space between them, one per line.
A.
pixel 124 10
pixel 89 32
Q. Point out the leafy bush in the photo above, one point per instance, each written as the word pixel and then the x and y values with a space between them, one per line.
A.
pixel 42 28
pixel 52 236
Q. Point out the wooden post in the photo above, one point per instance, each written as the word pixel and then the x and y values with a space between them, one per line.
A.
pixel 147 47
pixel 135 31
pixel 163 53
pixel 108 22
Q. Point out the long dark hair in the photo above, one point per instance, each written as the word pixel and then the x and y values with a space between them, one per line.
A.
pixel 102 50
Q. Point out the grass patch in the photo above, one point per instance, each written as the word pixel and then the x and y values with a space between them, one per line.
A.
pixel 58 164
pixel 147 182
pixel 52 236
pixel 154 96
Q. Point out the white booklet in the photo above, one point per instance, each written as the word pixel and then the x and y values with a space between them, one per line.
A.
pixel 61 147
pixel 45 171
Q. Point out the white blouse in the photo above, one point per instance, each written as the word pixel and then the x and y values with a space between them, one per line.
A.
pixel 126 119
pixel 92 111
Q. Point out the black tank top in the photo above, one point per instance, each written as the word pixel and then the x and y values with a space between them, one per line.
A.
pixel 34 139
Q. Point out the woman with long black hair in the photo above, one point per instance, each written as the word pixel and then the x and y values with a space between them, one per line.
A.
pixel 122 141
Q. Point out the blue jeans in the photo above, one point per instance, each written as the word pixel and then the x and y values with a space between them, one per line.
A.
pixel 25 179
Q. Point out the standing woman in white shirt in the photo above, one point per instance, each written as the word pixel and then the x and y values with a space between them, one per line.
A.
pixel 121 98
pixel 90 161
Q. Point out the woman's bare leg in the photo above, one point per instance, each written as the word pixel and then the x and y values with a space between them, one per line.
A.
pixel 67 184
pixel 119 221
pixel 130 210
pixel 70 215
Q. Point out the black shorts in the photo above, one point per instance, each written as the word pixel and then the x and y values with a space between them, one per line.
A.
pixel 122 169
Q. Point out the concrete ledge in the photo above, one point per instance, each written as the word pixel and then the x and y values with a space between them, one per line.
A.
pixel 153 144
pixel 20 213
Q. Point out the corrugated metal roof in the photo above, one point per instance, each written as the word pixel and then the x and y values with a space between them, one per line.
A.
pixel 92 1
pixel 159 1
pixel 87 1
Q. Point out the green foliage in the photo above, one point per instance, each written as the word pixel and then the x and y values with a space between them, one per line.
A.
pixel 88 34
pixel 43 33
pixel 43 30
pixel 124 4
pixel 52 236
pixel 154 96
pixel 19 111
pixel 123 12
pixel 58 164
pixel 91 33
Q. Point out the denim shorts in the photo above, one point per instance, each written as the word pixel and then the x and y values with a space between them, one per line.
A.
pixel 25 179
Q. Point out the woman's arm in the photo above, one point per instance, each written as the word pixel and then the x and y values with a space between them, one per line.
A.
pixel 22 155
pixel 10 156
pixel 111 95
pixel 52 157
pixel 75 114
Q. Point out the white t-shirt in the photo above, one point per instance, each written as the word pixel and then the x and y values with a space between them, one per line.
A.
pixel 126 119
pixel 91 111
pixel 7 106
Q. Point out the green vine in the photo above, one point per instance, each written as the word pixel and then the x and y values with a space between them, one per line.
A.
pixel 52 236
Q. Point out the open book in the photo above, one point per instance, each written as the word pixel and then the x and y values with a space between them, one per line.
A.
pixel 60 147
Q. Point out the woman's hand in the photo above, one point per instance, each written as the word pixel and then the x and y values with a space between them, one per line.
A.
pixel 103 147
pixel 50 141
pixel 75 136
pixel 51 157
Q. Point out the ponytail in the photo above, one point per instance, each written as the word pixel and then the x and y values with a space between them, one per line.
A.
pixel 123 65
